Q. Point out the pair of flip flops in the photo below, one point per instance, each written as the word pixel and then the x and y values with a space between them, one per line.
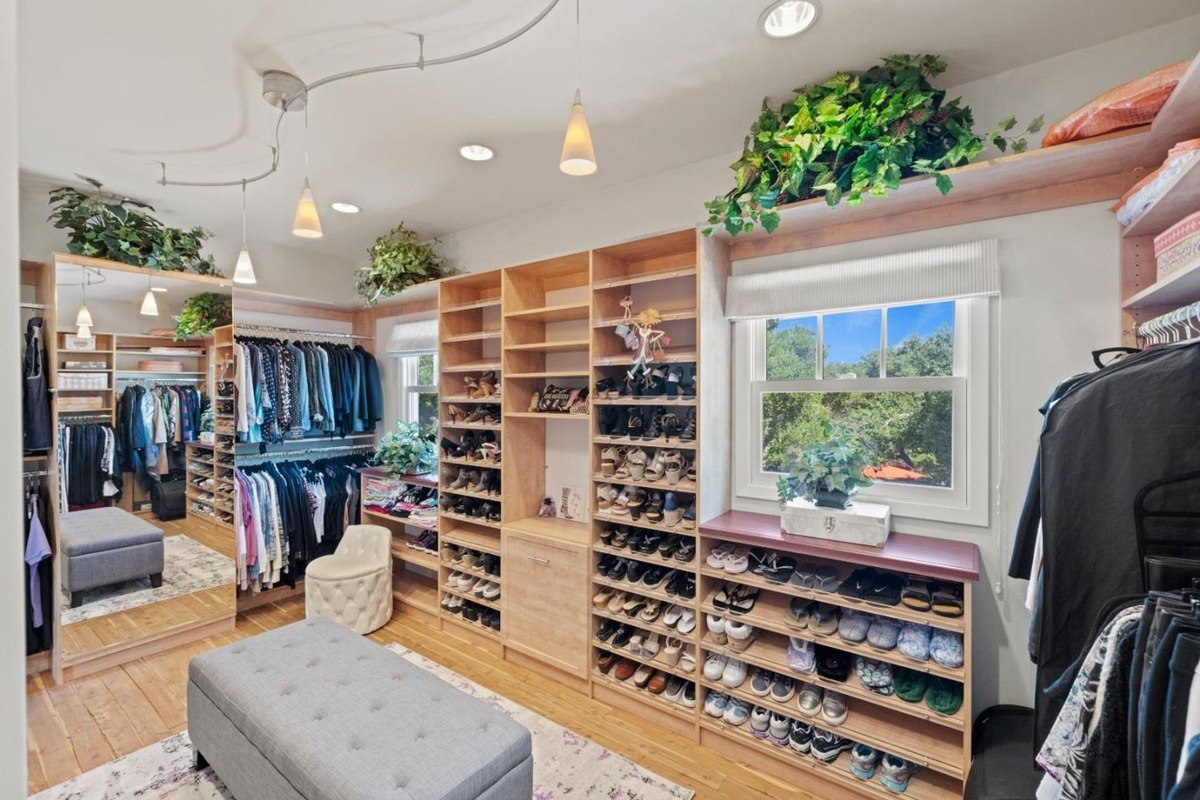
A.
pixel 873 586
pixel 943 599
pixel 736 599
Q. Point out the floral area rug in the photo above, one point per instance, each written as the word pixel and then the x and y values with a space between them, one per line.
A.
pixel 566 766
pixel 188 566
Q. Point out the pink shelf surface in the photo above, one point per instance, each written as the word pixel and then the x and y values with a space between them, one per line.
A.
pixel 905 552
pixel 428 479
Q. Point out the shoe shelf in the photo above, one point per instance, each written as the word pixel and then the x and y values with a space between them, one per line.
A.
pixel 561 312
pixel 404 553
pixel 659 443
pixel 484 541
pixel 564 346
pixel 644 591
pixel 656 662
pixel 646 277
pixel 547 374
pixel 685 486
pixel 547 415
pixel 417 590
pixel 898 612
pixel 928 745
pixel 671 315
pixel 769 651
pixel 645 401
pixel 474 305
pixel 472 366
pixel 658 701
pixel 474 598
pixel 462 399
pixel 770 611
pixel 654 558
pixel 473 336
pixel 470 426
pixel 495 498
pixel 671 355
pixel 426 524
pixel 470 462
pixel 476 627
pixel 641 624
pixel 615 519
pixel 924 785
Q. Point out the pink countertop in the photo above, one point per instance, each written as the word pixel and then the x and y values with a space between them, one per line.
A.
pixel 905 552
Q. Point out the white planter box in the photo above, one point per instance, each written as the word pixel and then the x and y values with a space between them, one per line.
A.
pixel 861 523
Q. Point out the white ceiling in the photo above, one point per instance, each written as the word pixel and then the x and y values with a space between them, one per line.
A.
pixel 107 89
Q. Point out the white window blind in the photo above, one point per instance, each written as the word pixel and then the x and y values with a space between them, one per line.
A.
pixel 969 269
pixel 414 337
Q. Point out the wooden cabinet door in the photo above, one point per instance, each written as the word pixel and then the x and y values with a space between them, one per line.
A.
pixel 545 600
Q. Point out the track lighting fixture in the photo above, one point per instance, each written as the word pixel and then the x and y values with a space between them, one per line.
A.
pixel 307 223
pixel 578 155
pixel 243 272
pixel 84 318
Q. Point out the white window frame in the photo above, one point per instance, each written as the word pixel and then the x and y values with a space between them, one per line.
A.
pixel 964 502
pixel 407 366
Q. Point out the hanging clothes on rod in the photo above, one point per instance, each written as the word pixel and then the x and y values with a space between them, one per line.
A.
pixel 86 465
pixel 1179 325
pixel 153 423
pixel 296 389
pixel 291 512
pixel 1105 436
pixel 39 561
pixel 35 388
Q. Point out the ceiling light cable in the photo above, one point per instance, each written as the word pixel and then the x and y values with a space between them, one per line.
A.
pixel 421 64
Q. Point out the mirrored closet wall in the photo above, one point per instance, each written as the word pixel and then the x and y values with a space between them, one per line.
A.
pixel 128 493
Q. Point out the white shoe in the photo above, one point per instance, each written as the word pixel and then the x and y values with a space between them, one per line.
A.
pixel 715 703
pixel 734 674
pixel 714 667
pixel 687 622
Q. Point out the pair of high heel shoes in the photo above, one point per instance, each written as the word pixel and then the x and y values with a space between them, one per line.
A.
pixel 483 415
pixel 648 424
pixel 473 446
pixel 471 507
pixel 479 481
pixel 485 386
pixel 559 400
pixel 676 381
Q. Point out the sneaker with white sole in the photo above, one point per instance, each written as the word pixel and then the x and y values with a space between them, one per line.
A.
pixel 779 729
pixel 735 673
pixel 894 772
pixel 810 699
pixel 800 736
pixel 760 722
pixel 760 684
pixel 783 689
pixel 674 690
pixel 715 703
pixel 714 667
pixel 736 712
pixel 834 709
pixel 827 745
pixel 863 759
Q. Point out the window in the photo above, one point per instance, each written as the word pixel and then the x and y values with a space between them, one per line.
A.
pixel 911 379
pixel 418 388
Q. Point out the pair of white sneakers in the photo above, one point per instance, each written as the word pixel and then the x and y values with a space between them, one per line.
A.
pixel 771 725
pixel 729 671
pixel 465 582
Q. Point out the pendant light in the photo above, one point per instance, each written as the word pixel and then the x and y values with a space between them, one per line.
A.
pixel 307 224
pixel 578 154
pixel 84 318
pixel 149 304
pixel 243 272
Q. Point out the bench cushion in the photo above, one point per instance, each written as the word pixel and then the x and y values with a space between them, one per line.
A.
pixel 341 717
pixel 98 530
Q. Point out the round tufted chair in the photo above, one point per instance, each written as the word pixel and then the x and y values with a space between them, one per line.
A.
pixel 354 585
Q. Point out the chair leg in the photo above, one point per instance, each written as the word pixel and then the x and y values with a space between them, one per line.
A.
pixel 156 580
pixel 76 599
pixel 199 761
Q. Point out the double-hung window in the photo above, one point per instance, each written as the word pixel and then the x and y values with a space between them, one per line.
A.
pixel 418 387
pixel 910 378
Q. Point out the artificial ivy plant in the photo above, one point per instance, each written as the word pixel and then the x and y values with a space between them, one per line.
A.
pixel 851 136
pixel 104 225
pixel 828 472
pixel 399 259
pixel 201 313
pixel 410 450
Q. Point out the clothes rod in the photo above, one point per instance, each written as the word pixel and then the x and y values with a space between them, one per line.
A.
pixel 33 306
pixel 35 473
pixel 291 455
pixel 300 332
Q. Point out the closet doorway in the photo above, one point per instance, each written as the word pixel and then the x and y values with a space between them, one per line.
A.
pixel 143 505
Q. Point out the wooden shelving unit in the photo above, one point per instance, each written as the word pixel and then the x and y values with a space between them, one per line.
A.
pixel 415 572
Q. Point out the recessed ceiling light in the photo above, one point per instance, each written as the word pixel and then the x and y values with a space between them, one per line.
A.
pixel 345 208
pixel 476 152
pixel 785 18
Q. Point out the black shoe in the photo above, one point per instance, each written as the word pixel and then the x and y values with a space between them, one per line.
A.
pixel 607 628
pixel 634 572
pixel 624 634
pixel 617 571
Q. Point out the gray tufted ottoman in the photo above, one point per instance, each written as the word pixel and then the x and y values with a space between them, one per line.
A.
pixel 314 711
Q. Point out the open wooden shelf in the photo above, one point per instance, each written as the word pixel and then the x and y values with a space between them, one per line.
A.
pixel 472 366
pixel 647 277
pixel 474 305
pixel 644 401
pixel 660 443
pixel 470 520
pixel 1175 290
pixel 546 415
pixel 417 590
pixel 656 700
pixel 1180 199
pixel 568 530
pixel 474 598
pixel 472 540
pixel 658 593
pixel 564 346
pixel 400 552
pixel 563 312
pixel 476 336
pixel 656 662
pixel 672 315
pixel 544 375
pixel 671 355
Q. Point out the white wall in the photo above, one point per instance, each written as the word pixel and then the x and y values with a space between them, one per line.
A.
pixel 12 611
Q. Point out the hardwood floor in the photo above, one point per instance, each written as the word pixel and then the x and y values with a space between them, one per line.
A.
pixel 89 721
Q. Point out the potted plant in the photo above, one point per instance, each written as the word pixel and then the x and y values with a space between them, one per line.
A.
pixel 104 225
pixel 410 450
pixel 828 473
pixel 399 259
pixel 201 313
pixel 854 135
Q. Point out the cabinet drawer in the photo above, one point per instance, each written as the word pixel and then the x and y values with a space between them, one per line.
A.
pixel 545 602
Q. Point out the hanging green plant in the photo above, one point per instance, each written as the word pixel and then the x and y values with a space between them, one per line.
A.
pixel 410 450
pixel 399 259
pixel 104 225
pixel 201 313
pixel 854 135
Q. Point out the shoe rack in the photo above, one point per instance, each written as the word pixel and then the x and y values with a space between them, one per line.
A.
pixel 216 502
pixel 469 316
pixel 659 273
pixel 939 743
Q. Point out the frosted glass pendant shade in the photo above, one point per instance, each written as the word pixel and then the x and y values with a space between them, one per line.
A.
pixel 84 318
pixel 578 155
pixel 307 224
pixel 84 332
pixel 149 304
pixel 244 271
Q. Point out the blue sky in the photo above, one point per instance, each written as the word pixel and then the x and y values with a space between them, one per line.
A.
pixel 853 333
